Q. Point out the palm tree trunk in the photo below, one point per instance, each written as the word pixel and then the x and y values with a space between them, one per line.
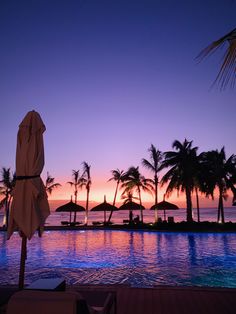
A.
pixel 141 209
pixel 189 204
pixel 156 198
pixel 197 200
pixel 6 211
pixel 114 201
pixel 86 209
pixel 221 217
pixel 75 203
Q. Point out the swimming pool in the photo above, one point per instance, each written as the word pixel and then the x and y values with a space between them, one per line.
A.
pixel 138 258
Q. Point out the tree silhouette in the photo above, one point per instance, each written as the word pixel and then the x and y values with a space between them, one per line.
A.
pixel 154 166
pixel 220 173
pixel 133 181
pixel 50 185
pixel 227 73
pixel 77 183
pixel 180 176
pixel 7 184
pixel 88 182
pixel 117 175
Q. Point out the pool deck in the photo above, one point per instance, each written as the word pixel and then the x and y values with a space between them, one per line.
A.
pixel 165 299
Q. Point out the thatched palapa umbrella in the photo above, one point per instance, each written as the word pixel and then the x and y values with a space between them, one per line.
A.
pixel 105 207
pixel 30 206
pixel 130 205
pixel 164 205
pixel 70 207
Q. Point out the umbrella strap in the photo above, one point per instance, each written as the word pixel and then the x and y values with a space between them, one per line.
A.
pixel 27 177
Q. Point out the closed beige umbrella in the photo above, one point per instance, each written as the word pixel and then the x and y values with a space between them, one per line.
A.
pixel 30 206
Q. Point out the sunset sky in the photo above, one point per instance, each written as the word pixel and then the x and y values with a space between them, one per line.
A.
pixel 110 77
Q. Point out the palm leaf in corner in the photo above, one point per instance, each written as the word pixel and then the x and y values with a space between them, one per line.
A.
pixel 227 72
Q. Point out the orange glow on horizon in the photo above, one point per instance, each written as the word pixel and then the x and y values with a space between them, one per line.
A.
pixel 101 188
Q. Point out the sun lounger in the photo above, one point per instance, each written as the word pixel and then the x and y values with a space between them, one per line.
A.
pixel 73 224
pixel 170 219
pixel 65 223
pixel 97 223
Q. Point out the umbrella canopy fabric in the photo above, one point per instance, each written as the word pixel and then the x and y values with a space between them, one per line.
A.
pixel 104 207
pixel 30 206
pixel 70 207
pixel 165 206
pixel 131 206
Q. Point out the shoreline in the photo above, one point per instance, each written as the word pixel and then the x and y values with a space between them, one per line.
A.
pixel 204 226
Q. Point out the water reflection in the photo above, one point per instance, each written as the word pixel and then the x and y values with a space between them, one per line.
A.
pixel 139 258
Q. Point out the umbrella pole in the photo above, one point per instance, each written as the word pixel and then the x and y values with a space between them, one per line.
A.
pixel 105 217
pixel 22 262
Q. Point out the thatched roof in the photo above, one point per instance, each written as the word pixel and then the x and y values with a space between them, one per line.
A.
pixel 70 207
pixel 130 206
pixel 165 206
pixel 104 207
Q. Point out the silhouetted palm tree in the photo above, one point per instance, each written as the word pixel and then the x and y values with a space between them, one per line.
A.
pixel 88 182
pixel 77 183
pixel 50 185
pixel 117 175
pixel 180 176
pixel 154 166
pixel 227 73
pixel 7 184
pixel 198 183
pixel 219 173
pixel 133 181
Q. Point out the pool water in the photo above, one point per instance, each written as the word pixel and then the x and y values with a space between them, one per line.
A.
pixel 138 258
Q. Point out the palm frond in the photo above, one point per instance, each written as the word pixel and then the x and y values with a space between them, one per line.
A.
pixel 227 73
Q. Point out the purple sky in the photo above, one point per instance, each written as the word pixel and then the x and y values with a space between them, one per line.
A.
pixel 110 77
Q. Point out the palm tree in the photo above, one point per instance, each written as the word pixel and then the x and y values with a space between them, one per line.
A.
pixel 219 173
pixel 227 73
pixel 8 183
pixel 50 185
pixel 154 166
pixel 117 175
pixel 133 181
pixel 78 183
pixel 181 175
pixel 88 182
